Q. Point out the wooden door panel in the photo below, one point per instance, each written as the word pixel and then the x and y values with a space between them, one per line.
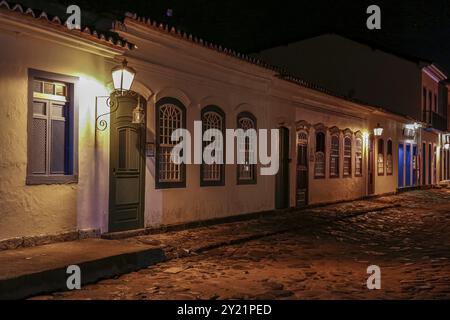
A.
pixel 127 169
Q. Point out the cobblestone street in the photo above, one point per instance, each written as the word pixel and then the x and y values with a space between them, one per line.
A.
pixel 320 253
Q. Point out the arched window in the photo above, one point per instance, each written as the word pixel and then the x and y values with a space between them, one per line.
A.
pixel 334 156
pixel 170 116
pixel 389 160
pixel 347 155
pixel 213 174
pixel 358 156
pixel 319 165
pixel 246 173
pixel 380 160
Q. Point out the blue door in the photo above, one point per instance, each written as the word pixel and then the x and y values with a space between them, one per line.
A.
pixel 400 165
pixel 408 165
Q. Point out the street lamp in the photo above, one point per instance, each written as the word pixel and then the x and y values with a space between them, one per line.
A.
pixel 123 77
pixel 378 131
pixel 138 113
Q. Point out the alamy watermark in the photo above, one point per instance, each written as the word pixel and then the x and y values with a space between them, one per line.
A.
pixel 252 147
pixel 74 279
pixel 374 280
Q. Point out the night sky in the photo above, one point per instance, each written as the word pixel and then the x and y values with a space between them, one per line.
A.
pixel 415 27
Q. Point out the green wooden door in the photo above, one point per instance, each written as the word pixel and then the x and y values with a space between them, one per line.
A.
pixel 127 167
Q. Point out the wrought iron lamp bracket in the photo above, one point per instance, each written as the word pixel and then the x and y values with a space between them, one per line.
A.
pixel 112 104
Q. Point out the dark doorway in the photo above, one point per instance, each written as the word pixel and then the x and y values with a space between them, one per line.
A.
pixel 370 167
pixel 282 178
pixel 302 169
pixel 127 166
pixel 424 164
pixel 430 173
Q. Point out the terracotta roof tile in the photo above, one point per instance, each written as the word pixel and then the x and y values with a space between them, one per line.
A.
pixel 57 23
pixel 192 38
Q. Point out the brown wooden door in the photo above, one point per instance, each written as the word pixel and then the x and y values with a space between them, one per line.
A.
pixel 282 178
pixel 302 169
pixel 127 168
pixel 371 168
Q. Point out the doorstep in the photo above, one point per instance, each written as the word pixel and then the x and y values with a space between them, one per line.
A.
pixel 38 270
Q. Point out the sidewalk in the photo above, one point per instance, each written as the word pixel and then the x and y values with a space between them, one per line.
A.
pixel 38 270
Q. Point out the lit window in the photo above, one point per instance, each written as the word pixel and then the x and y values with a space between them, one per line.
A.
pixel 246 172
pixel 389 160
pixel 358 156
pixel 347 156
pixel 319 165
pixel 170 117
pixel 334 156
pixel 213 174
pixel 380 160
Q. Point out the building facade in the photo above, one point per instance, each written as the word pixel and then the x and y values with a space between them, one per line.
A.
pixel 73 163
pixel 399 83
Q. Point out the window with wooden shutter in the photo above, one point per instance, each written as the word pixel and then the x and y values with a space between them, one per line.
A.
pixel 347 156
pixel 213 174
pixel 246 173
pixel 51 129
pixel 334 156
pixel 380 159
pixel 389 159
pixel 319 157
pixel 358 156
pixel 171 115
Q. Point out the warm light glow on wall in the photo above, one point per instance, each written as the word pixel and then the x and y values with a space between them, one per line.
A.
pixel 366 138
pixel 88 90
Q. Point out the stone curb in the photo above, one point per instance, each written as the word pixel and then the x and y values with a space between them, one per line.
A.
pixel 54 280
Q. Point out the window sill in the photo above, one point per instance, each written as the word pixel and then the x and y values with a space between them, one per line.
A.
pixel 246 183
pixel 51 180
pixel 170 185
pixel 205 184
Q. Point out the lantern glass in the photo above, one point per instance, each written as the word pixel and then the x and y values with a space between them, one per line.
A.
pixel 138 115
pixel 123 77
pixel 378 131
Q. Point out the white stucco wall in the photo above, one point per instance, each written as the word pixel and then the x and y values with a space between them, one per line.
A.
pixel 46 209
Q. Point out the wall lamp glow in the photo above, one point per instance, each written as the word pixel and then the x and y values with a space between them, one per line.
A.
pixel 123 77
pixel 378 131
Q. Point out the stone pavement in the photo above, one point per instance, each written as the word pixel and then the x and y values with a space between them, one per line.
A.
pixel 319 253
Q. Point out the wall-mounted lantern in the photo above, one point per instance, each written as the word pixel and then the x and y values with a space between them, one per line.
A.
pixel 409 131
pixel 123 77
pixel 447 142
pixel 378 130
pixel 138 113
